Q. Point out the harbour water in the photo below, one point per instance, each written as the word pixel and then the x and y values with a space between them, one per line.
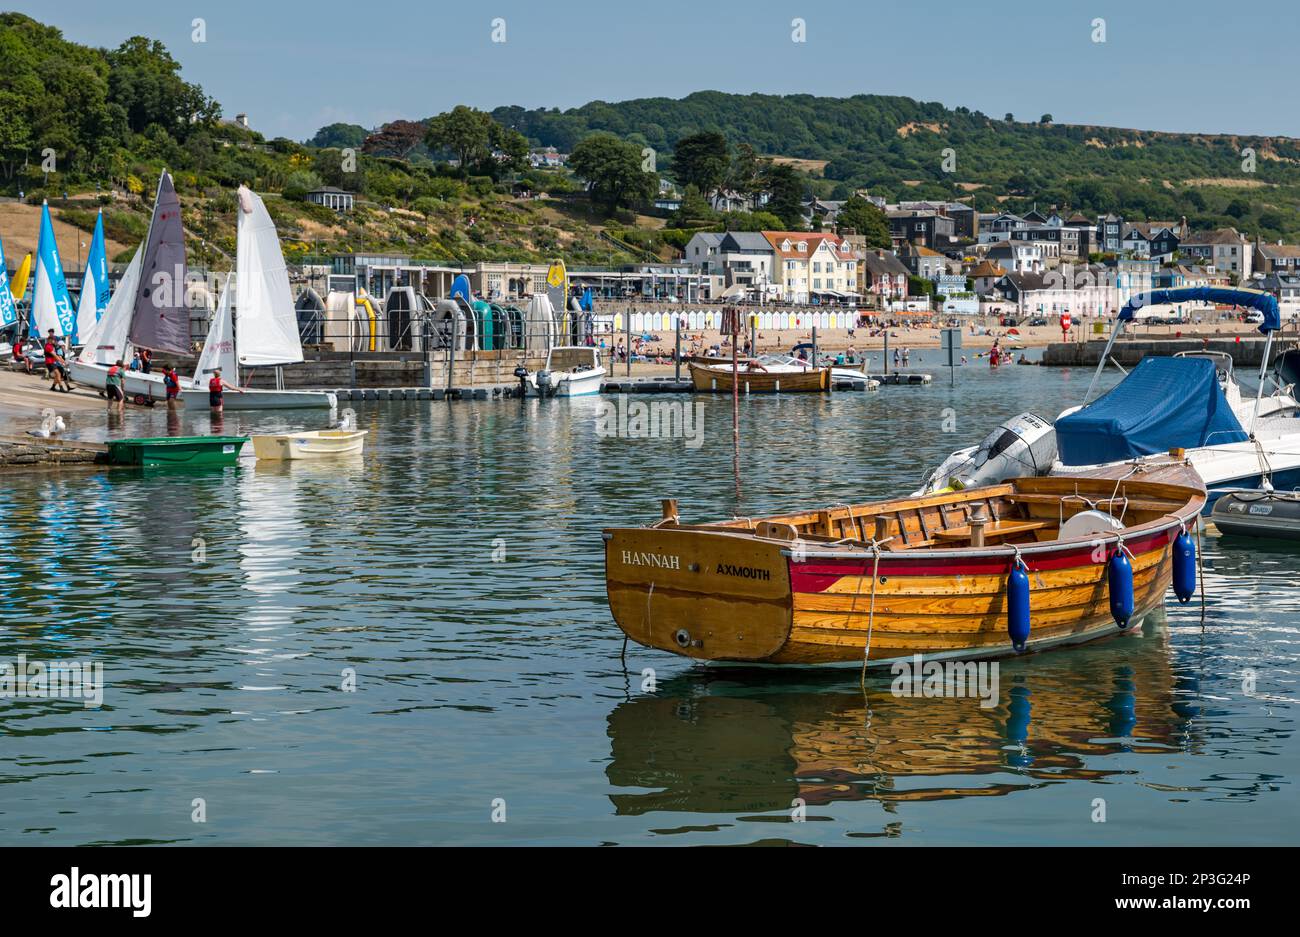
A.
pixel 455 575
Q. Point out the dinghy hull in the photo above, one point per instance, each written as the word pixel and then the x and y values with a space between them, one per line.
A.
pixel 312 444
pixel 264 400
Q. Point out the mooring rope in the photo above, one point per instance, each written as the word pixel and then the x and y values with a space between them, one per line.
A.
pixel 1200 570
pixel 871 611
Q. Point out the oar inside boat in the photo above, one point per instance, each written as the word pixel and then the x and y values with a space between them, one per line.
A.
pixel 928 575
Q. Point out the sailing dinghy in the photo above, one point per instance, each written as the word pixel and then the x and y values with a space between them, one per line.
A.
pixel 256 324
pixel 148 310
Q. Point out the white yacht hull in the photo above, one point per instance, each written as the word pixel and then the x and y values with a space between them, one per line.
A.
pixel 569 385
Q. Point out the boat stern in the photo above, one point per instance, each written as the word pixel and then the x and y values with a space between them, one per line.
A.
pixel 707 594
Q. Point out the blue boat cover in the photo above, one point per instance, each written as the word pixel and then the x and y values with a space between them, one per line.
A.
pixel 1164 403
pixel 1266 303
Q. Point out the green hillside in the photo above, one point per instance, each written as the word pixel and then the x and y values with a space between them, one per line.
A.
pixel 82 121
pixel 895 147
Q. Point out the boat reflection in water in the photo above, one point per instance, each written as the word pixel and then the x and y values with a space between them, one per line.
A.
pixel 720 741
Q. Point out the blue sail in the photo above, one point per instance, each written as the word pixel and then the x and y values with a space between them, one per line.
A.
pixel 8 308
pixel 94 284
pixel 51 304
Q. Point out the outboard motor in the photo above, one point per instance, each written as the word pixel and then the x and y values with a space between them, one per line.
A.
pixel 1023 445
pixel 521 374
pixel 544 386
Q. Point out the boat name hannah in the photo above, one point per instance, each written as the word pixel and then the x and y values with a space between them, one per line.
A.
pixel 658 560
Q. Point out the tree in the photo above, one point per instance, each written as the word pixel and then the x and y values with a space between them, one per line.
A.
pixel 1237 208
pixel 745 173
pixel 397 138
pixel 145 80
pixel 612 168
pixel 513 146
pixel 340 136
pixel 785 194
pixel 865 218
pixel 1045 119
pixel 1010 117
pixel 462 130
pixel 695 207
pixel 702 160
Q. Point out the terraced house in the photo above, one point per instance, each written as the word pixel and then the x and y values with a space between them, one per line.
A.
pixel 808 265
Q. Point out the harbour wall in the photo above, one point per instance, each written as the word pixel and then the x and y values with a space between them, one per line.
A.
pixel 17 452
pixel 1245 353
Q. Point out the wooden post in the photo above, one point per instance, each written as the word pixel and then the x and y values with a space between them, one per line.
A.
pixel 677 358
pixel 978 519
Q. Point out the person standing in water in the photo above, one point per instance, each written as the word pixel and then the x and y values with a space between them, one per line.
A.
pixel 113 388
pixel 172 382
pixel 217 387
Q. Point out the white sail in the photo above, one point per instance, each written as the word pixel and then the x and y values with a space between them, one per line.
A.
pixel 106 341
pixel 267 323
pixel 219 346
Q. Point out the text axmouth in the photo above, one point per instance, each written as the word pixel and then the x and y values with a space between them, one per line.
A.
pixel 657 560
pixel 76 890
pixel 744 572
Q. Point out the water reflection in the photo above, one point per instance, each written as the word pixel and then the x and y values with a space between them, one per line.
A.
pixel 730 741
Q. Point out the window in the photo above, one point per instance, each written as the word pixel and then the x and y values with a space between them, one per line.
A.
pixel 817 266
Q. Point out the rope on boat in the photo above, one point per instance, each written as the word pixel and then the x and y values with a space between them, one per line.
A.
pixel 871 611
pixel 1200 570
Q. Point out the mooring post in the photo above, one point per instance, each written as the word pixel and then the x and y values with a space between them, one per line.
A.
pixel 677 358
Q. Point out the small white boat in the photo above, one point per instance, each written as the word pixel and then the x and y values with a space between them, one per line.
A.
pixel 570 371
pixel 309 444
pixel 197 399
pixel 789 363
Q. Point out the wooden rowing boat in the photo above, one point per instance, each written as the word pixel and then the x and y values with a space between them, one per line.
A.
pixel 925 575
pixel 717 379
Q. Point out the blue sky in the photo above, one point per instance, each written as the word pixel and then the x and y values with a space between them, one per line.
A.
pixel 1192 66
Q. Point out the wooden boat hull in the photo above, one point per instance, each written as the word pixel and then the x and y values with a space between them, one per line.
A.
pixel 718 380
pixel 314 444
pixel 782 594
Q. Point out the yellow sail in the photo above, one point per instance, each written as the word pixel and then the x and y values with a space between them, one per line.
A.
pixel 19 285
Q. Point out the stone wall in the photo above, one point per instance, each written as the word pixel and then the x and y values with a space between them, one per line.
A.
pixel 37 454
pixel 1128 352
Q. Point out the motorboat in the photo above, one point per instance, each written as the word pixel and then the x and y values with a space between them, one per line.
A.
pixel 570 371
pixel 1191 403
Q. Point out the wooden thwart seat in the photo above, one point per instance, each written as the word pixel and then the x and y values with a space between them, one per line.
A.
pixel 992 530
